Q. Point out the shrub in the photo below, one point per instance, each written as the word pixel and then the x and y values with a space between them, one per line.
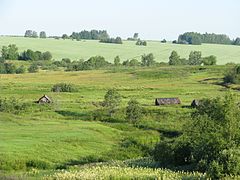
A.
pixel 112 100
pixel 63 87
pixel 233 76
pixel 13 105
pixel 141 43
pixel 33 68
pixel 133 111
pixel 20 70
pixel 210 60
pixel 37 164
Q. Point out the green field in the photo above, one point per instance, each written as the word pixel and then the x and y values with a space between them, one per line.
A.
pixel 84 49
pixel 66 134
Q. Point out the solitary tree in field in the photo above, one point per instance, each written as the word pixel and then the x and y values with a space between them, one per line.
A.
pixel 112 100
pixel 174 59
pixel 133 111
pixel 148 60
pixel 135 36
pixel 43 35
pixel 65 36
pixel 117 61
pixel 195 58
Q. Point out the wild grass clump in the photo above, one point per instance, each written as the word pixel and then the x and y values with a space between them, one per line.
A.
pixel 13 105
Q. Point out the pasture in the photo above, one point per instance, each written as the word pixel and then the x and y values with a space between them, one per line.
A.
pixel 65 133
pixel 85 49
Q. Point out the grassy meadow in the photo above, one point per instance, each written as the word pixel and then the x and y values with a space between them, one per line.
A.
pixel 71 133
pixel 85 49
pixel 65 133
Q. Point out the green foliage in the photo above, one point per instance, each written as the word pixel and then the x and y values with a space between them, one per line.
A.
pixel 10 52
pixel 65 36
pixel 46 56
pixel 117 61
pixel 134 111
pixel 195 58
pixel 92 35
pixel 141 43
pixel 148 60
pixel 116 40
pixel 135 36
pixel 210 142
pixel 236 41
pixel 174 59
pixel 43 35
pixel 197 38
pixel 95 62
pixel 233 76
pixel 164 41
pixel 31 34
pixel 209 61
pixel 20 70
pixel 112 100
pixel 63 87
pixel 13 105
pixel 33 68
pixel 35 56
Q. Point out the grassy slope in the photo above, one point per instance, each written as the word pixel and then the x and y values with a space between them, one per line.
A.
pixel 53 141
pixel 43 133
pixel 85 49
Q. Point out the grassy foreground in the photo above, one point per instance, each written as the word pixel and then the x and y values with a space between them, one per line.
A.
pixel 76 50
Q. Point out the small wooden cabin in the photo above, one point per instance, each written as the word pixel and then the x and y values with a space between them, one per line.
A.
pixel 44 100
pixel 167 101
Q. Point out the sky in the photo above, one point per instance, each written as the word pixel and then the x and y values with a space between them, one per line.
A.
pixel 152 19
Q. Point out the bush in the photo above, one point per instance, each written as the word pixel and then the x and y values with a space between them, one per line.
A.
pixel 20 70
pixel 210 60
pixel 233 76
pixel 37 164
pixel 13 105
pixel 141 43
pixel 33 68
pixel 133 111
pixel 63 87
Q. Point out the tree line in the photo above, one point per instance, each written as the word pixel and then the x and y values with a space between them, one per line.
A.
pixel 210 38
pixel 195 58
pixel 10 52
pixel 34 34
pixel 90 35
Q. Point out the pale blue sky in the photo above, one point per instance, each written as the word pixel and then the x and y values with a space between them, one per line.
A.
pixel 153 19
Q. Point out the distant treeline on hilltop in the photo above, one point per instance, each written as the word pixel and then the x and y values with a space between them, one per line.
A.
pixel 93 34
pixel 197 39
pixel 192 38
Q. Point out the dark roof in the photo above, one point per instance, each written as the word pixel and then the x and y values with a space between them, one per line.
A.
pixel 167 101
pixel 44 99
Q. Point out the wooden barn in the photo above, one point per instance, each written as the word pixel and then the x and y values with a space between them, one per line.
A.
pixel 44 100
pixel 167 101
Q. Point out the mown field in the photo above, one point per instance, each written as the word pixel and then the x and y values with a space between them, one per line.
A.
pixel 85 49
pixel 65 133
